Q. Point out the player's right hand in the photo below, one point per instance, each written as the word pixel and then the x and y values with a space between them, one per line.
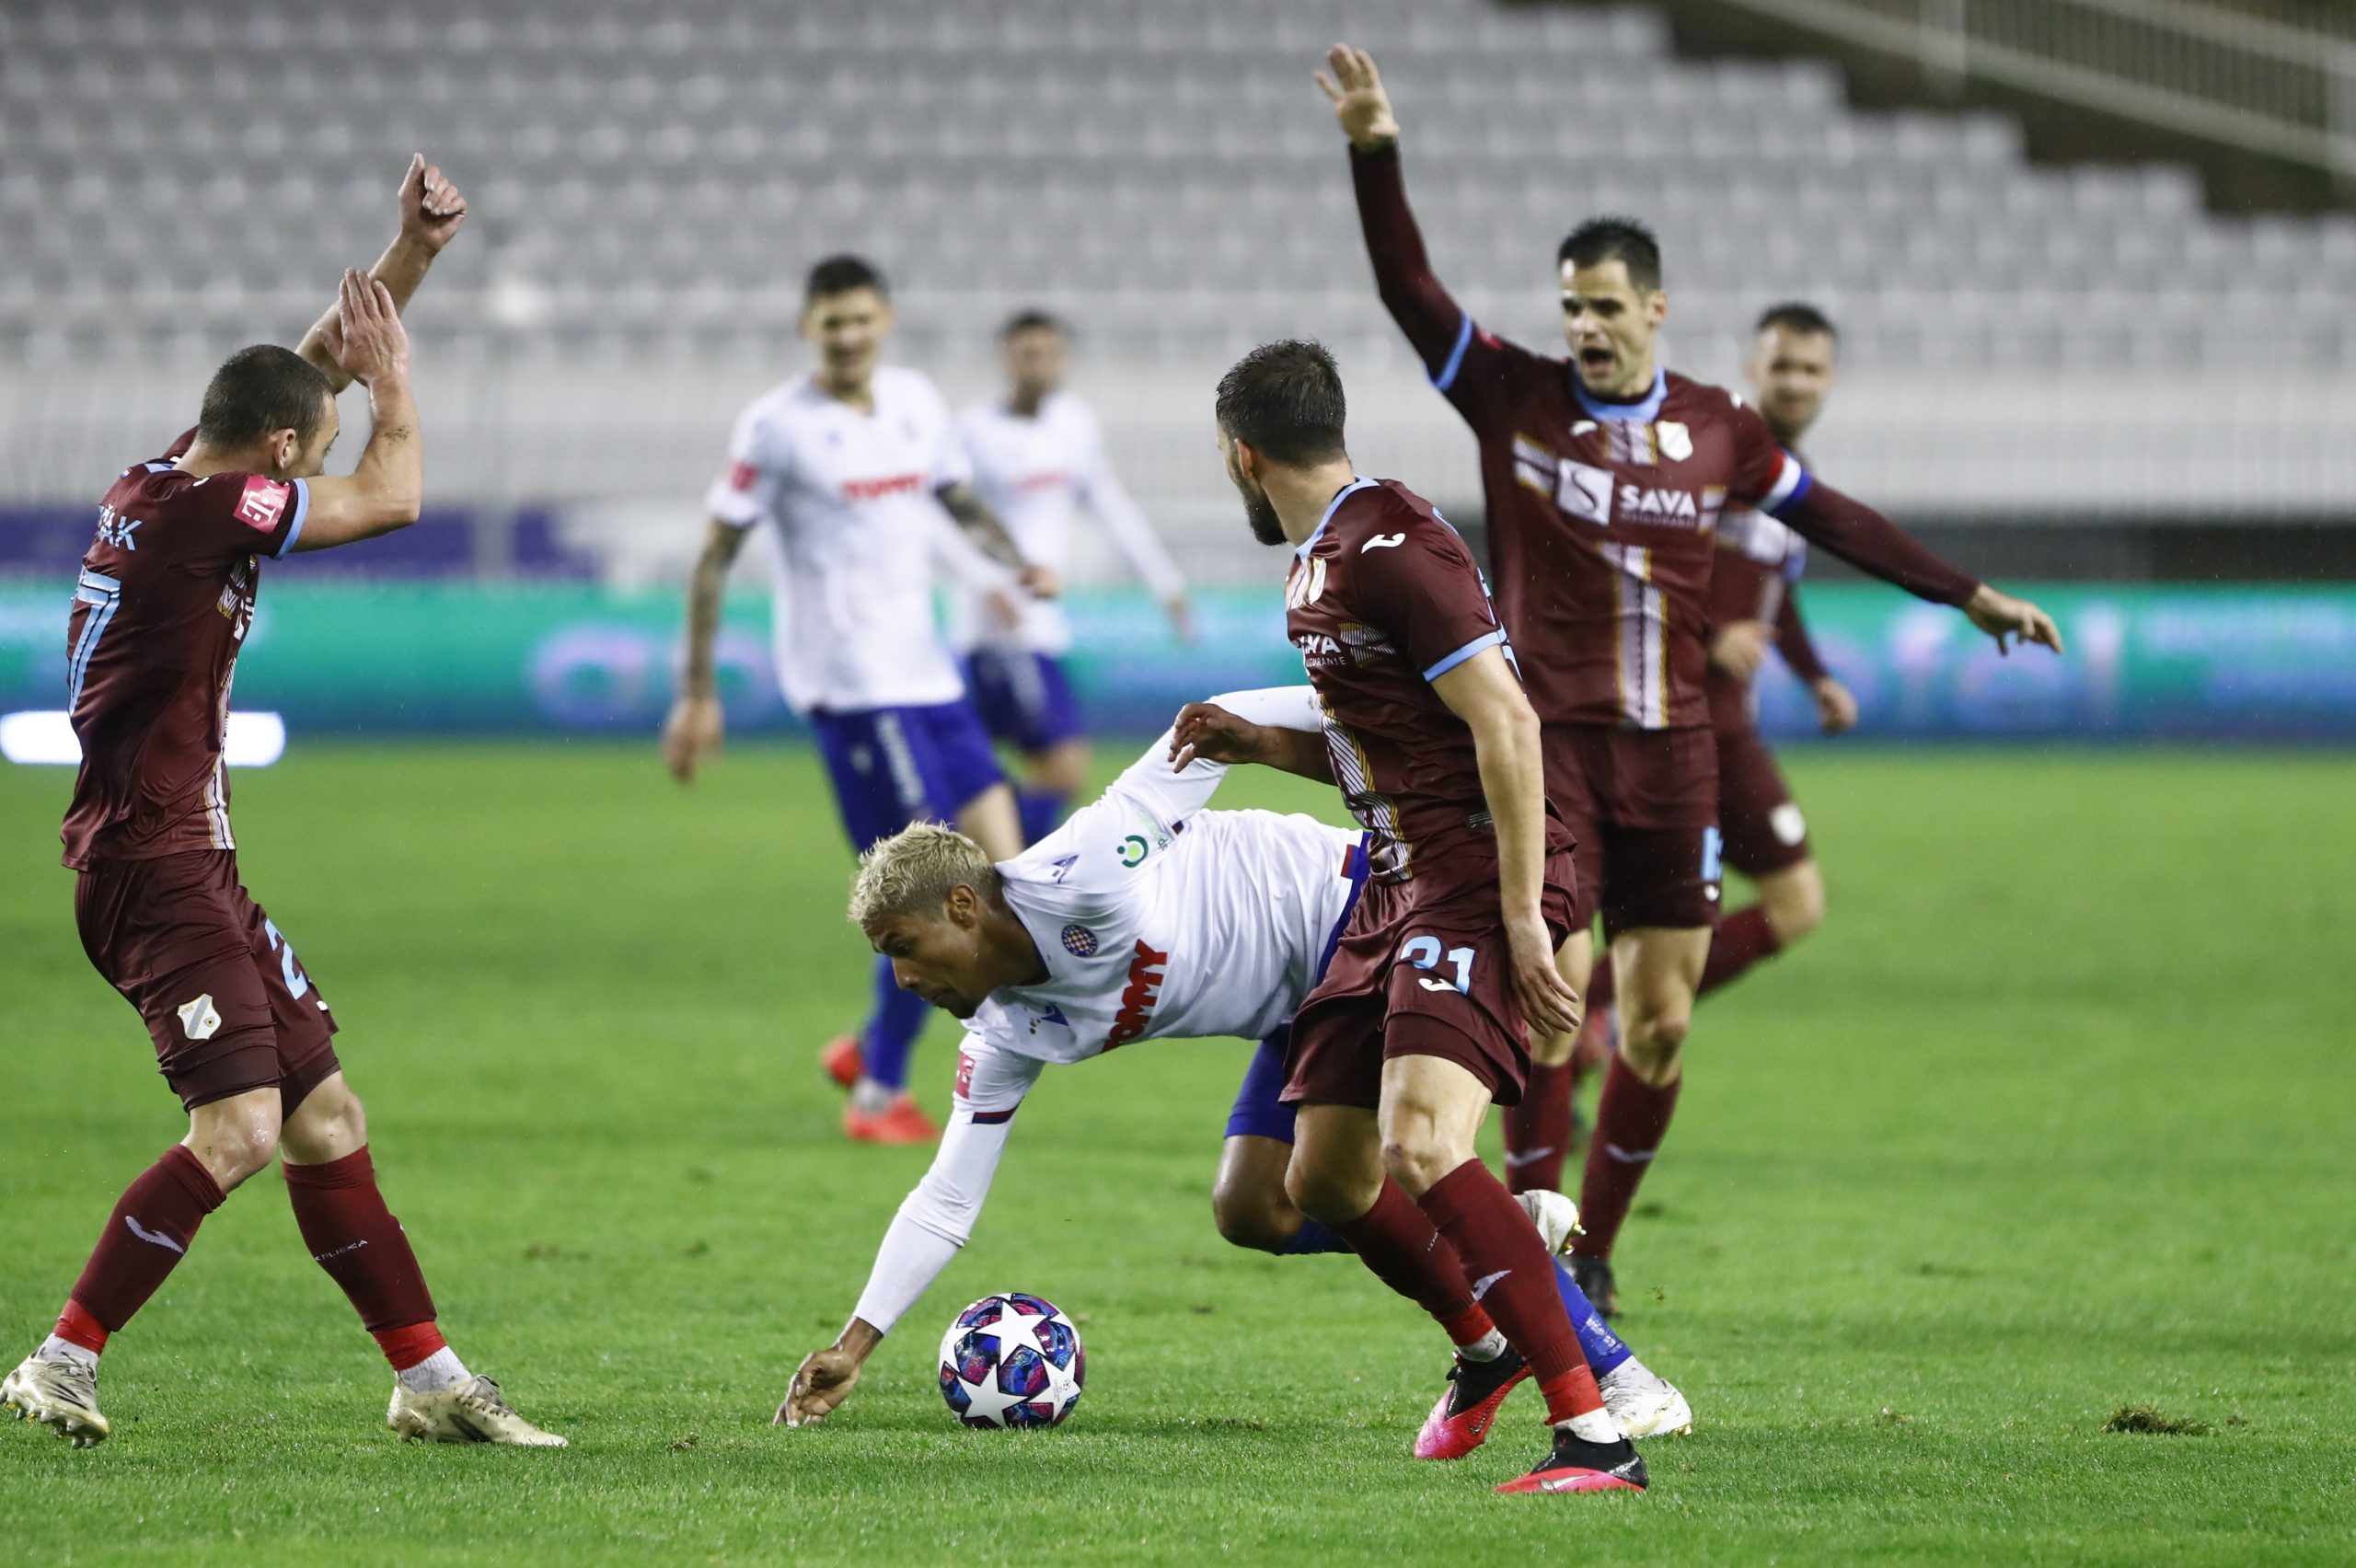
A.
pixel 1359 103
pixel 430 207
pixel 366 337
pixel 1549 1006
pixel 1740 647
pixel 824 1380
pixel 1836 704
pixel 690 735
pixel 1040 582
pixel 2000 617
pixel 1205 730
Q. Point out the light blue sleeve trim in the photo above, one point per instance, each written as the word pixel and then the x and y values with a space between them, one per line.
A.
pixel 1469 649
pixel 1446 377
pixel 295 529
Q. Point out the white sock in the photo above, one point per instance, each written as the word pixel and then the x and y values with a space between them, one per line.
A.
pixel 1594 1426
pixel 1629 1371
pixel 869 1097
pixel 1488 1347
pixel 441 1370
pixel 55 1349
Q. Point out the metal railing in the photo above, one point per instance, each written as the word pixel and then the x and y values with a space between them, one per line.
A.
pixel 2198 69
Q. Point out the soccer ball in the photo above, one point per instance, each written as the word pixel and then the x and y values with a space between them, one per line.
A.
pixel 1011 1360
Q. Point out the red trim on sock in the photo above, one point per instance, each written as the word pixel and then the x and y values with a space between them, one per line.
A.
pixel 1573 1393
pixel 1469 1327
pixel 354 1170
pixel 75 1326
pixel 405 1347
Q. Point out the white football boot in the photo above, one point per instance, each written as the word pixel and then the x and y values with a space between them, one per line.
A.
pixel 64 1394
pixel 1643 1403
pixel 1556 1216
pixel 474 1411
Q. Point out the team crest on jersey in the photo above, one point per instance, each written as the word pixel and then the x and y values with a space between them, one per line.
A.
pixel 1676 441
pixel 200 1020
pixel 1080 941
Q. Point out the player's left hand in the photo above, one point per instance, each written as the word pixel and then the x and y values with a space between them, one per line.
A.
pixel 1836 707
pixel 824 1380
pixel 2003 617
pixel 1360 104
pixel 1205 730
pixel 1040 582
pixel 1549 1006
pixel 1740 647
pixel 432 208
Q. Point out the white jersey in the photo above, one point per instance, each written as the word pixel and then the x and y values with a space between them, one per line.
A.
pixel 1036 472
pixel 1157 919
pixel 851 496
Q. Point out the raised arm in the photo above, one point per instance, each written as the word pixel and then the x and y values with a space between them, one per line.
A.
pixel 431 211
pixel 693 731
pixel 932 1223
pixel 1484 692
pixel 1402 273
pixel 1109 501
pixel 1226 732
pixel 387 487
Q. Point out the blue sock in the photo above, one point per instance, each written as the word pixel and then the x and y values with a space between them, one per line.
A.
pixel 1597 1342
pixel 1312 1237
pixel 891 1033
pixel 1039 811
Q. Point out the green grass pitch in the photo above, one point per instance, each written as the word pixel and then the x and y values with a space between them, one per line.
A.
pixel 2054 1116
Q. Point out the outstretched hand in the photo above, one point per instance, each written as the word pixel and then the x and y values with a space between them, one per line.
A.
pixel 2003 617
pixel 432 208
pixel 824 1380
pixel 1207 731
pixel 365 336
pixel 1361 105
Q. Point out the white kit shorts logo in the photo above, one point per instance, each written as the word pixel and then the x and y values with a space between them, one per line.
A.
pixel 200 1020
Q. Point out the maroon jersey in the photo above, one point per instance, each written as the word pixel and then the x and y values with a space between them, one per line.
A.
pixel 1382 600
pixel 1755 577
pixel 165 596
pixel 1601 513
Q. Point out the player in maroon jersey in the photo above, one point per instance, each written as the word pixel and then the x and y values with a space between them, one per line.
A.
pixel 1418 1025
pixel 1605 477
pixel 242 1034
pixel 1754 604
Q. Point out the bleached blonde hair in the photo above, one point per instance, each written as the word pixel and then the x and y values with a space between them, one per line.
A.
pixel 912 871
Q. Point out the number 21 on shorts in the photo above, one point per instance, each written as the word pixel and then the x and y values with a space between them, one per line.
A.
pixel 1424 953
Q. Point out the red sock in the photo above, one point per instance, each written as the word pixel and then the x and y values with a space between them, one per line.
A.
pixel 1628 1128
pixel 354 1238
pixel 1398 1241
pixel 1501 1249
pixel 1743 939
pixel 1537 1131
pixel 149 1232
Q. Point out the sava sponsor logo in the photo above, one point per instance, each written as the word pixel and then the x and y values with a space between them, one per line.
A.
pixel 1643 503
pixel 1348 643
pixel 1139 998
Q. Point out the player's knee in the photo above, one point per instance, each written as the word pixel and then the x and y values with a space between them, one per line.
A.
pixel 328 1125
pixel 1552 1050
pixel 1324 1193
pixel 1261 1220
pixel 1651 1043
pixel 1795 902
pixel 234 1138
pixel 1417 1159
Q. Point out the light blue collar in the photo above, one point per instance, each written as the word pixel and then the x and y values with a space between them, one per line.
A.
pixel 1347 490
pixel 1640 412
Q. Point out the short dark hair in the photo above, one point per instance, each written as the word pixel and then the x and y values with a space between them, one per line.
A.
pixel 1798 316
pixel 839 275
pixel 1032 320
pixel 262 389
pixel 1623 240
pixel 1284 399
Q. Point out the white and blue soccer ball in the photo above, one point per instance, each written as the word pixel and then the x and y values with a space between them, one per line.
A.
pixel 1011 1360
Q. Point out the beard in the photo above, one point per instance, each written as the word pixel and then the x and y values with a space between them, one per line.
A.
pixel 1266 526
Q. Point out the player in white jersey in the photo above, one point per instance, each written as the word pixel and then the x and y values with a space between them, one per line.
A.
pixel 1039 459
pixel 856 467
pixel 1145 917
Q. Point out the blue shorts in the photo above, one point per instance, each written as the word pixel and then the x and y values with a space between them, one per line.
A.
pixel 895 765
pixel 1024 697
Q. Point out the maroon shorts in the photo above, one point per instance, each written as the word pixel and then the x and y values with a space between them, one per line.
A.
pixel 1763 828
pixel 229 1008
pixel 1644 806
pixel 1419 971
